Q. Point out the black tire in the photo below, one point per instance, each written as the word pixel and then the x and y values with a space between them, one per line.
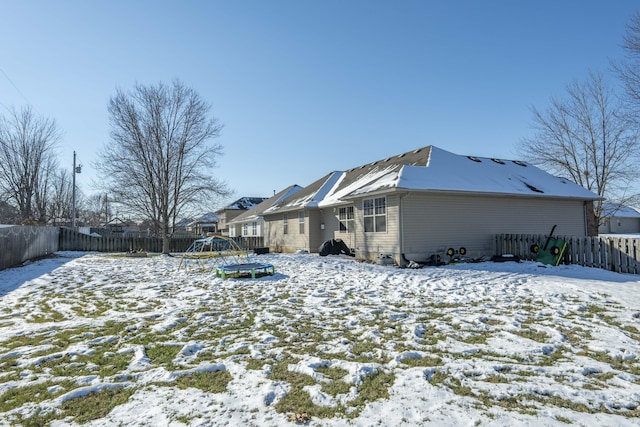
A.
pixel 535 248
pixel 554 250
pixel 451 252
pixel 462 251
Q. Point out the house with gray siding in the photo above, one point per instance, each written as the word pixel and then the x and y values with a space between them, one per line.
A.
pixel 250 223
pixel 422 202
pixel 232 210
pixel 619 219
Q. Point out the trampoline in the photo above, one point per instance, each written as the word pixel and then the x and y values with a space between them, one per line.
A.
pixel 235 259
pixel 249 268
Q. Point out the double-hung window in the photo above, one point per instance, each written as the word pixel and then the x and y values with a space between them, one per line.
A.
pixel 301 222
pixel 254 228
pixel 375 215
pixel 346 219
pixel 285 223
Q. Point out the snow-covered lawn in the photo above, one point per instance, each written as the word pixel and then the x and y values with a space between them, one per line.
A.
pixel 111 340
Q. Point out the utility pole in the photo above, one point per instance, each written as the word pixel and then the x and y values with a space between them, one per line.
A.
pixel 76 169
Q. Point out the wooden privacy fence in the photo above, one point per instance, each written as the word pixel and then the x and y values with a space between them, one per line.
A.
pixel 22 243
pixel 71 240
pixel 620 254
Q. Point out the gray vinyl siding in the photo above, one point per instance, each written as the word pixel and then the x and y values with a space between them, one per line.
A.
pixel 371 245
pixel 293 241
pixel 274 233
pixel 435 222
pixel 330 218
pixel 620 225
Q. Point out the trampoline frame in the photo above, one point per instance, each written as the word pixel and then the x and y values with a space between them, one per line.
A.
pixel 224 270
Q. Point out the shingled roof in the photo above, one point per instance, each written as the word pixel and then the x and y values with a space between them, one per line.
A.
pixel 431 169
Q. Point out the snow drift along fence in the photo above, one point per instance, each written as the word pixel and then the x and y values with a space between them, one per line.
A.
pixel 22 243
pixel 71 240
pixel 618 254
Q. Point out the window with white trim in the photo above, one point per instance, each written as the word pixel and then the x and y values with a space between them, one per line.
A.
pixel 346 219
pixel 301 222
pixel 375 215
pixel 245 229
pixel 254 228
pixel 285 223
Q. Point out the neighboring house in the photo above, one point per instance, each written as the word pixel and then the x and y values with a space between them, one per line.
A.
pixel 619 219
pixel 121 226
pixel 425 201
pixel 207 224
pixel 229 212
pixel 251 223
pixel 182 227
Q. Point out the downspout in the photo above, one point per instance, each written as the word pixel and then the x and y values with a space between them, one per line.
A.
pixel 401 258
pixel 584 214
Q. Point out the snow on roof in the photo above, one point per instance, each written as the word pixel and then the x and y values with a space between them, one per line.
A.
pixel 310 196
pixel 434 169
pixel 209 218
pixel 255 213
pixel 245 203
pixel 451 172
pixel 619 211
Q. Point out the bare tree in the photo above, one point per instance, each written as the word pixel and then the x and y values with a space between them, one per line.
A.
pixel 60 198
pixel 161 156
pixel 587 138
pixel 27 144
pixel 95 210
pixel 629 69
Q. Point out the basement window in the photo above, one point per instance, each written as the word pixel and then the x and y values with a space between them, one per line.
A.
pixel 498 161
pixel 519 163
pixel 475 159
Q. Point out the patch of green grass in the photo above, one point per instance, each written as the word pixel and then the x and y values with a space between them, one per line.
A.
pixel 422 361
pixel 280 372
pixel 373 387
pixel 532 334
pixel 336 387
pixel 298 401
pixel 575 335
pixel 209 381
pixel 48 314
pixel 628 366
pixel 366 352
pixel 108 363
pixel 553 358
pixel 476 338
pixel 7 364
pixel 254 364
pixel 95 405
pixel 163 354
pixel 497 379
pixel 32 393
pixel 332 373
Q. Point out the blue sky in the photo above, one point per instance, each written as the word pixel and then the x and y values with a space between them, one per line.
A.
pixel 307 87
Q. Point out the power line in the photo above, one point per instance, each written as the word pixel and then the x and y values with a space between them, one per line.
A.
pixel 16 88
